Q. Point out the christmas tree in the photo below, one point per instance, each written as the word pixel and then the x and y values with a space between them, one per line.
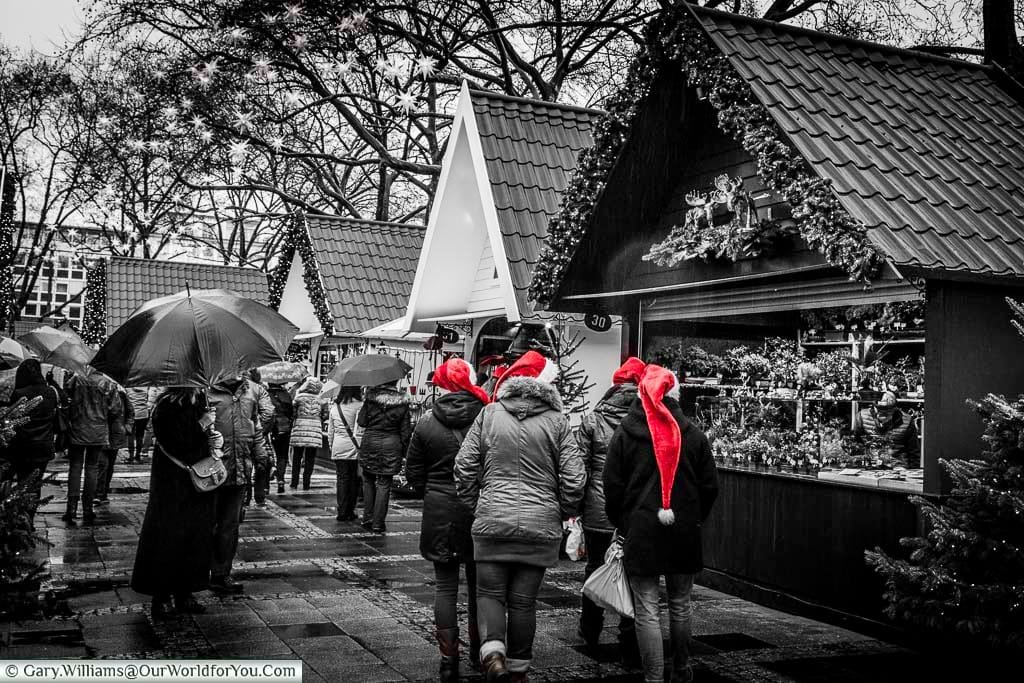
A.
pixel 966 575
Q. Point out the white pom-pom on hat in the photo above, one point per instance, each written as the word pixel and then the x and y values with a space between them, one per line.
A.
pixel 550 372
pixel 666 516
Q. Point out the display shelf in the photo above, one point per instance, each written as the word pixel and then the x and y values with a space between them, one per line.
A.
pixel 869 479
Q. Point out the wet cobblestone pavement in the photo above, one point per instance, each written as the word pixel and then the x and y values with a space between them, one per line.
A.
pixel 357 607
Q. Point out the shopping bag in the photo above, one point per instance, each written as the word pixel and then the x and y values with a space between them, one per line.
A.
pixel 608 586
pixel 575 547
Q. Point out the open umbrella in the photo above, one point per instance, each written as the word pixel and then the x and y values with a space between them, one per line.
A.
pixel 283 371
pixel 369 370
pixel 194 338
pixel 63 348
pixel 13 352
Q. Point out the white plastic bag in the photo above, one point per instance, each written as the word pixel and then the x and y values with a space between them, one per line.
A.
pixel 575 547
pixel 608 585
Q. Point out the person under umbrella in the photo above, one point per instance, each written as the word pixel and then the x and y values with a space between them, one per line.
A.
pixel 386 421
pixel 176 541
pixel 445 537
pixel 91 397
pixel 343 433
pixel 32 446
pixel 308 430
pixel 119 421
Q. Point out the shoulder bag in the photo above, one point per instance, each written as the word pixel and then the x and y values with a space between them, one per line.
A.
pixel 351 436
pixel 206 475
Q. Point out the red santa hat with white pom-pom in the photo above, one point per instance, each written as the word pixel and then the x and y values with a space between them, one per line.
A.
pixel 666 437
pixel 530 364
pixel 455 374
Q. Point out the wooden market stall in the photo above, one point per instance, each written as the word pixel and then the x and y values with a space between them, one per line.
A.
pixel 814 202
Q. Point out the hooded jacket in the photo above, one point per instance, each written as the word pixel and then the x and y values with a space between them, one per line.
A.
pixel 430 471
pixel 387 426
pixel 90 398
pixel 239 411
pixel 309 416
pixel 121 420
pixel 633 495
pixel 284 409
pixel 36 435
pixel 592 437
pixel 521 474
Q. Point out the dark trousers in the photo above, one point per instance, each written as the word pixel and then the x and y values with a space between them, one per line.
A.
pixel 136 439
pixel 507 603
pixel 261 481
pixel 31 463
pixel 592 616
pixel 376 495
pixel 227 518
pixel 446 597
pixel 282 452
pixel 105 472
pixel 87 458
pixel 303 458
pixel 347 486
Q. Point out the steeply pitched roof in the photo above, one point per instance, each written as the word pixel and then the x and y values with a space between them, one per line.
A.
pixel 367 268
pixel 132 282
pixel 927 152
pixel 531 151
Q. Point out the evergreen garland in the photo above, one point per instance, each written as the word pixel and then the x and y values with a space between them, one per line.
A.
pixel 94 324
pixel 7 304
pixel 297 238
pixel 965 577
pixel 675 41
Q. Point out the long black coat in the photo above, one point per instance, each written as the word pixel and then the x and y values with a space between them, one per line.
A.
pixel 387 427
pixel 445 533
pixel 632 489
pixel 176 542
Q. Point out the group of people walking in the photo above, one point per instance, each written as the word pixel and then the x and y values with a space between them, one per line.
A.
pixel 500 474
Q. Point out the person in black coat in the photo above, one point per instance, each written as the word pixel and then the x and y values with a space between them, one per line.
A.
pixel 31 449
pixel 176 541
pixel 445 536
pixel 660 484
pixel 386 421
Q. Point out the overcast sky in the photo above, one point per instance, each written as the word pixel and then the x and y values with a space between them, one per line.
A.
pixel 38 23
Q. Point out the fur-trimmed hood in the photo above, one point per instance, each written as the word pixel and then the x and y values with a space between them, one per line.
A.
pixel 525 396
pixel 386 397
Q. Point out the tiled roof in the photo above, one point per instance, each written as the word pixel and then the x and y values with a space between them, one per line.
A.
pixel 367 268
pixel 531 148
pixel 927 152
pixel 132 282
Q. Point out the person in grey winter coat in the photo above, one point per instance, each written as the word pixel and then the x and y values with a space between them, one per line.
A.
pixel 240 410
pixel 445 537
pixel 387 426
pixel 521 474
pixel 344 433
pixel 90 398
pixel 309 425
pixel 660 484
pixel 592 437
pixel 121 420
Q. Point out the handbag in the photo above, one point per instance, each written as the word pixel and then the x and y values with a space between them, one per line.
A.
pixel 206 475
pixel 608 586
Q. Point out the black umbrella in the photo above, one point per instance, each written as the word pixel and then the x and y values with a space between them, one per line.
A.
pixel 369 371
pixel 194 339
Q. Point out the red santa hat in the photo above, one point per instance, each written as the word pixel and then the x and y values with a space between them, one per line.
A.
pixel 530 364
pixel 455 374
pixel 631 371
pixel 666 438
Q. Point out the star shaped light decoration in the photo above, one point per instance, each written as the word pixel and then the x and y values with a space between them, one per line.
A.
pixel 237 35
pixel 425 66
pixel 395 68
pixel 243 120
pixel 197 122
pixel 238 150
pixel 346 67
pixel 299 42
pixel 206 136
pixel 406 101
pixel 277 143
pixel 293 12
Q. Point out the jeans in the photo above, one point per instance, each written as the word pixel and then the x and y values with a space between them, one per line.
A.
pixel 260 482
pixel 507 603
pixel 592 616
pixel 105 472
pixel 87 457
pixel 136 438
pixel 446 596
pixel 376 495
pixel 648 625
pixel 303 458
pixel 347 486
pixel 227 518
pixel 281 451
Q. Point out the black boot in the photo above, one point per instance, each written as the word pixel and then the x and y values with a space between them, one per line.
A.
pixel 448 642
pixel 494 669
pixel 187 604
pixel 162 607
pixel 71 510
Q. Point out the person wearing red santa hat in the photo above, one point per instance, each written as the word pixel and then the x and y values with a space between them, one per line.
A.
pixel 445 536
pixel 521 474
pixel 592 438
pixel 660 484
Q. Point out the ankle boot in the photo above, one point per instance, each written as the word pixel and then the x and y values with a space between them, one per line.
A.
pixel 494 669
pixel 71 511
pixel 448 643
